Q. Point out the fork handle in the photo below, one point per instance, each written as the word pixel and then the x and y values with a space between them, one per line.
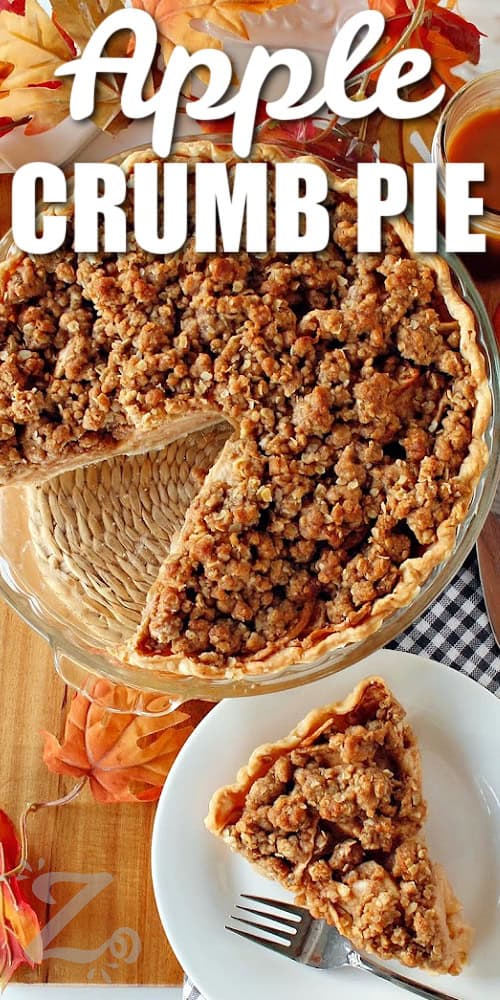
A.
pixel 394 977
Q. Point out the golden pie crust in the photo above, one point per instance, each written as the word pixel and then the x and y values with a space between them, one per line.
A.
pixel 334 813
pixel 359 401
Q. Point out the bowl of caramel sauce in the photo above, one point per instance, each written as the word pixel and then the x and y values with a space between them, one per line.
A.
pixel 469 132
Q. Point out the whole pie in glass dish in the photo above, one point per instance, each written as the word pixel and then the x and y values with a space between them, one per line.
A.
pixel 334 813
pixel 357 400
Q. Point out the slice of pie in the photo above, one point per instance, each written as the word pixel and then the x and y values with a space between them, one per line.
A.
pixel 334 813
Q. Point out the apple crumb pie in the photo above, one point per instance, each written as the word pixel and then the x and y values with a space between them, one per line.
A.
pixel 334 813
pixel 356 394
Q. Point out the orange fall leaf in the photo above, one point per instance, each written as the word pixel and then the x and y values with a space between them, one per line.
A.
pixel 125 757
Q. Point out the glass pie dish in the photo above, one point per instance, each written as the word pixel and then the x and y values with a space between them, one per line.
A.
pixel 98 537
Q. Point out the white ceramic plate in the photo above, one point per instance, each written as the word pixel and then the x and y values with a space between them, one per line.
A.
pixel 197 879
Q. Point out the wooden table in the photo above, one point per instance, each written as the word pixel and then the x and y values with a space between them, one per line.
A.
pixel 81 838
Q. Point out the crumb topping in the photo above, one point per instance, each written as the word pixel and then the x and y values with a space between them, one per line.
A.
pixel 341 374
pixel 338 822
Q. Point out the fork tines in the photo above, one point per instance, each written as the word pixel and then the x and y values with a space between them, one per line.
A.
pixel 280 905
pixel 291 924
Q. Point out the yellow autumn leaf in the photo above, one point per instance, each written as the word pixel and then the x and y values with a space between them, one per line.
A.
pixel 33 48
pixel 80 19
pixel 107 103
pixel 5 69
pixel 46 107
pixel 178 21
pixel 32 44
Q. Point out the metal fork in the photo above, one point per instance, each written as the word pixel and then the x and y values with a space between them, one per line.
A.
pixel 314 942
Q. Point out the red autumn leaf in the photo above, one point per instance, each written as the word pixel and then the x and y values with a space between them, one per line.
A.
pixel 392 8
pixel 50 85
pixel 389 8
pixel 125 757
pixel 462 36
pixel 448 37
pixel 301 131
pixel 6 126
pixel 20 939
pixel 15 6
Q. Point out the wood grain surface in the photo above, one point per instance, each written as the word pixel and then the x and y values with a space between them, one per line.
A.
pixel 488 547
pixel 82 839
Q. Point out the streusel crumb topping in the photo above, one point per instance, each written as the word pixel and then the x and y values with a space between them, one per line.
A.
pixel 337 819
pixel 341 374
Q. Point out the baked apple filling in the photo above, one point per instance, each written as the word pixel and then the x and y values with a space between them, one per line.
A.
pixel 334 813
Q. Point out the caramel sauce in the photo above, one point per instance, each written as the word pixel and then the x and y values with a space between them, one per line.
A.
pixel 477 140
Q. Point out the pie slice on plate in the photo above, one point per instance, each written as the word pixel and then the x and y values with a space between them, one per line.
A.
pixel 334 813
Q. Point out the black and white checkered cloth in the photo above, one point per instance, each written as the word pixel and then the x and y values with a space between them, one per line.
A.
pixel 455 630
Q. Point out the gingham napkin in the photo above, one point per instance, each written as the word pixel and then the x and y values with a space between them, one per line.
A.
pixel 455 629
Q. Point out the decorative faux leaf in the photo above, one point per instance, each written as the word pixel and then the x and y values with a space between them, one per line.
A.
pixel 16 6
pixel 20 939
pixel 224 126
pixel 314 136
pixel 125 757
pixel 6 126
pixel 460 35
pixel 391 8
pixel 451 41
pixel 334 144
pixel 41 109
pixel 34 46
pixel 178 21
pixel 79 20
pixel 449 38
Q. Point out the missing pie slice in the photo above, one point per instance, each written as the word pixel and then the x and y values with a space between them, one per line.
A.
pixel 334 813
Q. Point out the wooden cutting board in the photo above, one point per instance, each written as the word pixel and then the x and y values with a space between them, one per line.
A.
pixel 102 924
pixel 94 861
